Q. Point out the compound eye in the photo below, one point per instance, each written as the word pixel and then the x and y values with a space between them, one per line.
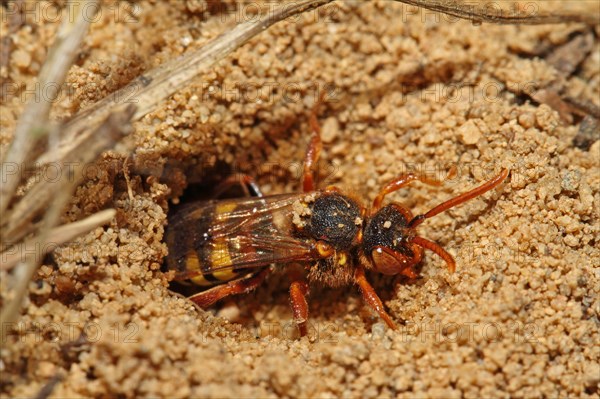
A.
pixel 388 262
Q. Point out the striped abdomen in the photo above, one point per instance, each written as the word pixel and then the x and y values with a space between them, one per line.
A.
pixel 212 242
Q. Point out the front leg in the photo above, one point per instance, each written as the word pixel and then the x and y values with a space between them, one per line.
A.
pixel 298 293
pixel 370 296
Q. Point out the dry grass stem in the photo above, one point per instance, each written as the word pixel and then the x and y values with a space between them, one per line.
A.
pixel 485 13
pixel 26 269
pixel 58 236
pixel 18 222
pixel 151 88
pixel 32 124
pixel 55 195
pixel 416 97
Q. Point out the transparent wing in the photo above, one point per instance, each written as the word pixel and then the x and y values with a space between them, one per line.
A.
pixel 235 234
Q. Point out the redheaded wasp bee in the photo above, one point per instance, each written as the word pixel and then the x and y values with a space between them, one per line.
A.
pixel 229 245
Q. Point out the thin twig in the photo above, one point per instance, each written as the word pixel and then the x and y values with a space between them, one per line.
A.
pixel 47 389
pixel 490 12
pixel 32 124
pixel 56 237
pixel 114 128
pixel 151 88
pixel 26 269
pixel 62 193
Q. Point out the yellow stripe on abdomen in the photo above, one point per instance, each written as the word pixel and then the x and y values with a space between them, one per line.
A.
pixel 221 261
pixel 191 261
pixel 225 275
pixel 200 280
pixel 193 264
pixel 219 256
pixel 225 208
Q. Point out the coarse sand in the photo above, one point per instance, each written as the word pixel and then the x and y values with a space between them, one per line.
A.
pixel 406 89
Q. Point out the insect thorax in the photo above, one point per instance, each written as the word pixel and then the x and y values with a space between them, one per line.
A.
pixel 330 217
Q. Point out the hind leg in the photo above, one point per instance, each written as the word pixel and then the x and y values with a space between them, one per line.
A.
pixel 242 285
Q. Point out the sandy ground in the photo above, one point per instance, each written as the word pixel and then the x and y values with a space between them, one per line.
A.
pixel 405 89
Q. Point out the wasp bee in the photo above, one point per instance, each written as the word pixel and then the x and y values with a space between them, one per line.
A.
pixel 229 245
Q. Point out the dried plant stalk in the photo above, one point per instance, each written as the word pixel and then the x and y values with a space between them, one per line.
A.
pixel 37 198
pixel 25 270
pixel 151 88
pixel 32 123
pixel 488 12
pixel 148 91
pixel 61 195
pixel 57 237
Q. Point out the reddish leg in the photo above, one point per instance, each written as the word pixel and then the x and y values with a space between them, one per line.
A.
pixel 476 192
pixel 402 181
pixel 410 273
pixel 314 150
pixel 441 252
pixel 370 296
pixel 298 293
pixel 243 285
pixel 417 220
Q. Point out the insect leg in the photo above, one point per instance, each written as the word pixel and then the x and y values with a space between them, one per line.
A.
pixel 311 157
pixel 370 296
pixel 247 183
pixel 314 148
pixel 476 192
pixel 396 184
pixel 242 285
pixel 441 252
pixel 298 293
